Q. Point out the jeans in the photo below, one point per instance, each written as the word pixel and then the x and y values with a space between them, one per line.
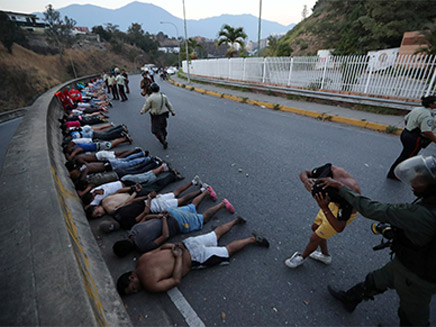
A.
pixel 137 160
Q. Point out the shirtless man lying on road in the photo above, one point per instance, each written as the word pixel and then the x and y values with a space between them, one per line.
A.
pixel 163 268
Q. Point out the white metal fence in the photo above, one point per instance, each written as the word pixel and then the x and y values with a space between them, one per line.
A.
pixel 406 76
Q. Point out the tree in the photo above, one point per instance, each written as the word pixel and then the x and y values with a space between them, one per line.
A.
pixel 10 32
pixel 272 46
pixel 104 34
pixel 305 12
pixel 428 42
pixel 58 30
pixel 230 36
pixel 193 45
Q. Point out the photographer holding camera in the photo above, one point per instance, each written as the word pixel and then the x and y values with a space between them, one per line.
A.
pixel 412 271
pixel 334 214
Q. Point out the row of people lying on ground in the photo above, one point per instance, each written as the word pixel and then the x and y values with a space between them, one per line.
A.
pixel 124 184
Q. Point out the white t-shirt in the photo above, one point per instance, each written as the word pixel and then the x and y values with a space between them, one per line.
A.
pixel 83 140
pixel 163 202
pixel 108 188
pixel 105 155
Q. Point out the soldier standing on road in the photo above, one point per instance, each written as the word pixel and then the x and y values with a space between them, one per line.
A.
pixel 418 133
pixel 159 107
pixel 412 272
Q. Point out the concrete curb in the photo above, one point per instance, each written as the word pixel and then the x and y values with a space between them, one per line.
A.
pixel 343 120
pixel 52 271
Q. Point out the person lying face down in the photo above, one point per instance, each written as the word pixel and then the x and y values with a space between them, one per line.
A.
pixel 163 268
pixel 157 228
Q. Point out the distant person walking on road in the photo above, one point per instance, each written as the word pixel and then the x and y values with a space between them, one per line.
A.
pixel 418 133
pixel 334 214
pixel 121 82
pixel 113 86
pixel 126 81
pixel 159 107
pixel 145 84
pixel 105 78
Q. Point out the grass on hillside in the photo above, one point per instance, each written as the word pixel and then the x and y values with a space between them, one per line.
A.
pixel 26 74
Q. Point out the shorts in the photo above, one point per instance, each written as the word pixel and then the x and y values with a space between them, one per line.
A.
pixel 187 217
pixel 104 145
pixel 205 251
pixel 105 155
pixel 325 230
pixel 163 202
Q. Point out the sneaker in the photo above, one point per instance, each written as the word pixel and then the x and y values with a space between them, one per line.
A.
pixel 317 255
pixel 260 240
pixel 212 195
pixel 109 226
pixel 294 261
pixel 240 220
pixel 179 176
pixel 165 167
pixel 196 180
pixel 229 206
pixel 165 145
pixel 204 186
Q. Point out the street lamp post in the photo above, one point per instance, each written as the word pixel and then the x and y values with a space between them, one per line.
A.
pixel 186 43
pixel 259 29
pixel 177 32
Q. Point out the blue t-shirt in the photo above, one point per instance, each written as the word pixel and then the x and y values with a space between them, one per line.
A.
pixel 91 147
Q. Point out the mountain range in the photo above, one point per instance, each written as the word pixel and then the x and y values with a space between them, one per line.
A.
pixel 150 16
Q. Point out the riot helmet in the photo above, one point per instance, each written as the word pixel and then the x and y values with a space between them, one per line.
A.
pixel 154 87
pixel 417 171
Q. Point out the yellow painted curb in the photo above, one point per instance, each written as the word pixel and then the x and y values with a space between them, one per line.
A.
pixel 321 116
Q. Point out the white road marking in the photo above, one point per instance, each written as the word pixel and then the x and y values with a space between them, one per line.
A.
pixel 185 308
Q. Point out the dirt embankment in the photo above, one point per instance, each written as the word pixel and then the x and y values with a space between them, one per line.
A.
pixel 25 74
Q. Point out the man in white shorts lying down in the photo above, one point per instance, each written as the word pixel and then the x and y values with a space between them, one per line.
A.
pixel 163 268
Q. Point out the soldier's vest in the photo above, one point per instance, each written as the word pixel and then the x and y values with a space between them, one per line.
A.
pixel 419 259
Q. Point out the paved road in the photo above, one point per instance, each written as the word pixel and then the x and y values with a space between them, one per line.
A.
pixel 253 157
pixel 7 130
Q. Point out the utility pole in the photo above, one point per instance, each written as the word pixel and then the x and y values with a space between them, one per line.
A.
pixel 259 29
pixel 186 43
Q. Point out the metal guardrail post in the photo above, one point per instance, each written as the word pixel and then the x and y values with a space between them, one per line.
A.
pixel 228 70
pixel 430 86
pixel 368 80
pixel 325 70
pixel 290 72
pixel 264 70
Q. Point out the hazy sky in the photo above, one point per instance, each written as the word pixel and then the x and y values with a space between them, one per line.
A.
pixel 282 11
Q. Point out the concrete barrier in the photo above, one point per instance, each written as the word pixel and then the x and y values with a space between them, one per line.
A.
pixel 52 271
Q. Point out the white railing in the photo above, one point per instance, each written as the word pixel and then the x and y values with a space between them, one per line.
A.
pixel 405 76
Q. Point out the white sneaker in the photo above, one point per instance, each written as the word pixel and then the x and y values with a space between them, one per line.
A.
pixel 165 167
pixel 295 261
pixel 317 255
pixel 196 180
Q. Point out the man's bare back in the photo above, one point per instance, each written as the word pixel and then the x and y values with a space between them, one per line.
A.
pixel 159 270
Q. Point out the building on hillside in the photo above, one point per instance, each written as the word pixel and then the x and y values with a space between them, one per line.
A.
pixel 412 42
pixel 80 30
pixel 28 22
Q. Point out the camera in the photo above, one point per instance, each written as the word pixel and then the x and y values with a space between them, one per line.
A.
pixel 345 209
pixel 386 230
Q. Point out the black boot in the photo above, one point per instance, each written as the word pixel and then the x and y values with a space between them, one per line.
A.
pixel 351 298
